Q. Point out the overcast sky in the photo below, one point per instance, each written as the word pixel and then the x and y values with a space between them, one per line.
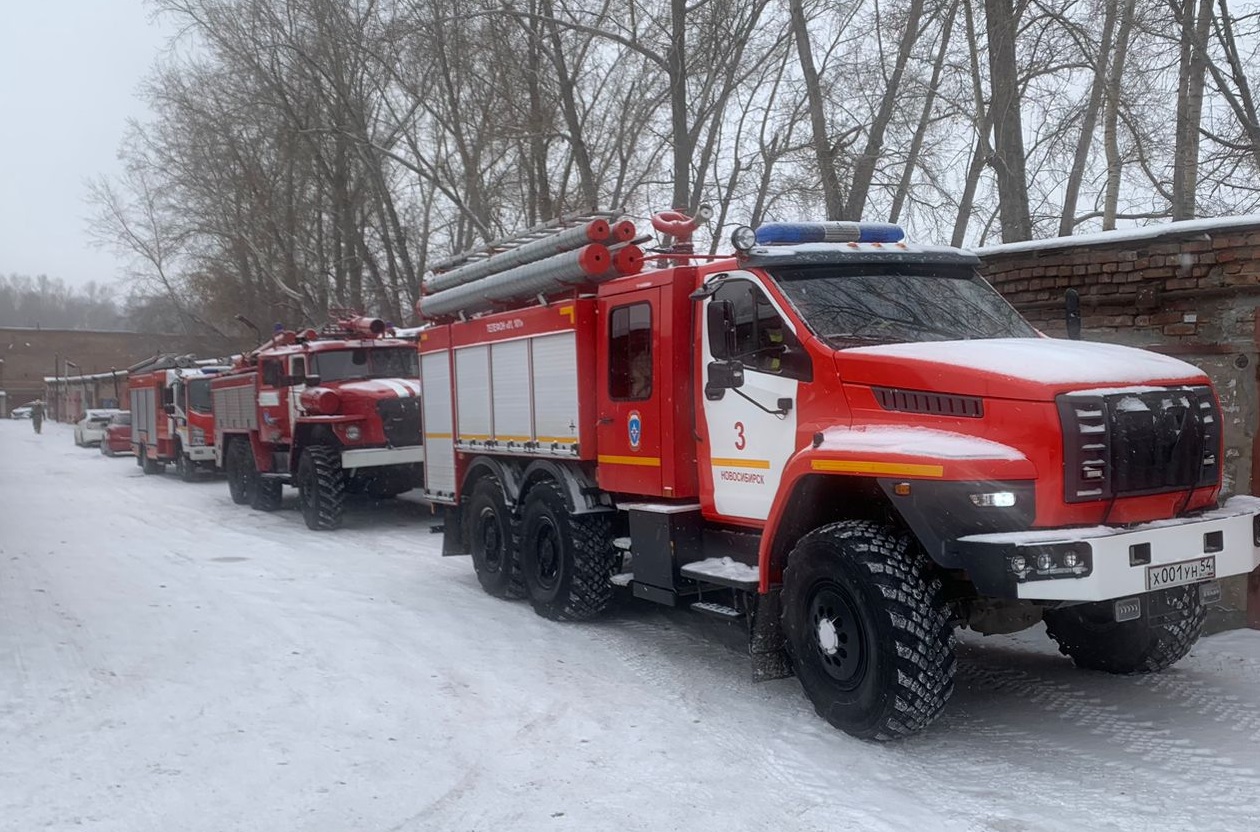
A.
pixel 69 70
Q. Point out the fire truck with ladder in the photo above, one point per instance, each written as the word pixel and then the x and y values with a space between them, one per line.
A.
pixel 847 442
pixel 171 416
pixel 331 412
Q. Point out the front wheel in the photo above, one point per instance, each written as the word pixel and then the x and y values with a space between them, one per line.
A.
pixel 868 630
pixel 239 466
pixel 567 560
pixel 1094 640
pixel 184 466
pixel 105 451
pixel 321 486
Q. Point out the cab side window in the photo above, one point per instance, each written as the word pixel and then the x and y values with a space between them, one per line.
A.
pixel 630 352
pixel 763 340
pixel 271 374
pixel 297 369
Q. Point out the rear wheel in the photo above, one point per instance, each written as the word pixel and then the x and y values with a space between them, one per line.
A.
pixel 321 486
pixel 567 560
pixel 150 465
pixel 868 630
pixel 1091 636
pixel 240 471
pixel 105 451
pixel 491 541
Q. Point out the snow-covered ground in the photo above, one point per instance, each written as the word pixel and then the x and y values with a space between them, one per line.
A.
pixel 170 661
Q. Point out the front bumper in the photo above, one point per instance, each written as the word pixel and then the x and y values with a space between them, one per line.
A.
pixel 375 457
pixel 1116 562
pixel 200 453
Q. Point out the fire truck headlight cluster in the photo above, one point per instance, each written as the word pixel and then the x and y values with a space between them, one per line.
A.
pixel 354 433
pixel 995 499
pixel 789 233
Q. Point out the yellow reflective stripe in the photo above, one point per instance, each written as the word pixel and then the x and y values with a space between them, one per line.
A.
pixel 734 462
pixel 894 469
pixel 473 437
pixel 440 435
pixel 559 440
pixel 645 461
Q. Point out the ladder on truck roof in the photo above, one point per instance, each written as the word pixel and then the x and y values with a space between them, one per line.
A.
pixel 511 241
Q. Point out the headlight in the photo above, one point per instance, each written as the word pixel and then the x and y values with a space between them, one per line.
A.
pixel 743 238
pixel 354 433
pixel 995 499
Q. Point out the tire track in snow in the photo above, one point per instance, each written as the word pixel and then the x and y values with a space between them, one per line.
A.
pixel 1177 762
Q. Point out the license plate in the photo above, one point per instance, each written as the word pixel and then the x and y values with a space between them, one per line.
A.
pixel 1181 573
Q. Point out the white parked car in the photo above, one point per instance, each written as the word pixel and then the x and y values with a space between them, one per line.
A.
pixel 23 412
pixel 90 430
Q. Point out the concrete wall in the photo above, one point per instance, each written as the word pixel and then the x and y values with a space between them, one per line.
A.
pixel 1190 290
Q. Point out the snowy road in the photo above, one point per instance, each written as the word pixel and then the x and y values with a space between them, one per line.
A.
pixel 170 661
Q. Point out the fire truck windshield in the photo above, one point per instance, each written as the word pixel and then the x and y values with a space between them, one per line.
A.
pixel 341 365
pixel 851 305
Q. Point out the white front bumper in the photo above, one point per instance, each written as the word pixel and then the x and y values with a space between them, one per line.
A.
pixel 373 457
pixel 200 453
pixel 1171 541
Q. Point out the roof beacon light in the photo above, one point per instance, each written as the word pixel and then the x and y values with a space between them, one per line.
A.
pixel 789 233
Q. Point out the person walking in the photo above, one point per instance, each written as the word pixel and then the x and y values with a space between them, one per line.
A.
pixel 37 416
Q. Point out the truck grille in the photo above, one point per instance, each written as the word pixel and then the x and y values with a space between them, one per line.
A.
pixel 400 419
pixel 1141 442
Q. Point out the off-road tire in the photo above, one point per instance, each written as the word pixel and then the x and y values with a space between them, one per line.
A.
pixel 567 560
pixel 492 541
pixel 241 476
pixel 868 629
pixel 321 486
pixel 1090 636
pixel 268 494
pixel 105 451
pixel 149 465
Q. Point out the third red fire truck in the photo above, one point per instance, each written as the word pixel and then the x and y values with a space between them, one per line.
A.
pixel 171 417
pixel 847 441
pixel 331 412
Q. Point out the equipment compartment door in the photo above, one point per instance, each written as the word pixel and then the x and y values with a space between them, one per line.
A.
pixel 631 391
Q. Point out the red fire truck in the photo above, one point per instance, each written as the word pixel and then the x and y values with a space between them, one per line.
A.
pixel 171 416
pixel 848 442
pixel 330 412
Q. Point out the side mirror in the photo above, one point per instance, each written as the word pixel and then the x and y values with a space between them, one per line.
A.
pixel 723 376
pixel 1072 309
pixel 720 316
pixel 312 381
pixel 294 381
pixel 169 409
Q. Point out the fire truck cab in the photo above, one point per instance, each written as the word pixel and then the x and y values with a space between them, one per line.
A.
pixel 849 443
pixel 331 412
pixel 172 420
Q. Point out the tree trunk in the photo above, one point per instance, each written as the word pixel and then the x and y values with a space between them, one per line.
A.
pixel 864 167
pixel 984 123
pixel 1008 129
pixel 824 151
pixel 677 64
pixel 1111 117
pixel 925 117
pixel 1193 65
pixel 1089 120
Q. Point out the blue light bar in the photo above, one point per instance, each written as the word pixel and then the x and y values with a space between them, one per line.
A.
pixel 787 233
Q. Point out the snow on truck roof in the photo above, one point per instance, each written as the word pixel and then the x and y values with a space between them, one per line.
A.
pixel 1125 235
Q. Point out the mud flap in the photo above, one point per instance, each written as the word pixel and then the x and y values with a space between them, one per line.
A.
pixel 766 645
pixel 453 540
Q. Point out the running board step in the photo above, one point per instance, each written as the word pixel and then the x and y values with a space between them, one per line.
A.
pixel 723 572
pixel 721 611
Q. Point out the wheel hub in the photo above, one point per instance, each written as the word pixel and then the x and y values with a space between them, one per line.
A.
pixel 838 636
pixel 491 540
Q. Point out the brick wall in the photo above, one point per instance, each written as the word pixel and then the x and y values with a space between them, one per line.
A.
pixel 31 354
pixel 1189 290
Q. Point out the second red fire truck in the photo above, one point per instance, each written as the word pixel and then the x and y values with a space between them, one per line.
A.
pixel 850 443
pixel 330 412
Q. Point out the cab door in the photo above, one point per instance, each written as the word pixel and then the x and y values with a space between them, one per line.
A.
pixel 750 423
pixel 272 406
pixel 297 377
pixel 630 395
